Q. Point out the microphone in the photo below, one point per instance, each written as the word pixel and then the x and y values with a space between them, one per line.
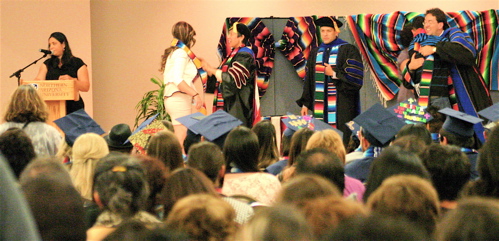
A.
pixel 45 51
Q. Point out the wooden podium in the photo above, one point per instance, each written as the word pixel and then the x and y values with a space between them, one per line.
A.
pixel 55 93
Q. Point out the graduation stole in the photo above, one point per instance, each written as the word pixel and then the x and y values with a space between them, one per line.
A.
pixel 202 74
pixel 373 151
pixel 218 102
pixel 325 90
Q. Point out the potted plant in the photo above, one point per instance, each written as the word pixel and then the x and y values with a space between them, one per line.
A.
pixel 152 103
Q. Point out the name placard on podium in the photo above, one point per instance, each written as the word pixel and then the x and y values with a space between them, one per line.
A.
pixel 55 93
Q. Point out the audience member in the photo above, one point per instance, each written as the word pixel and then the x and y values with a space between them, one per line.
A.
pixel 304 187
pixel 449 170
pixel 16 220
pixel 277 223
pixel 164 145
pixel 56 205
pixel 474 219
pixel 120 189
pixel 87 150
pixel 488 168
pixel 377 227
pixel 407 196
pixel 435 124
pixel 418 131
pixel 136 230
pixel 17 148
pixel 117 138
pixel 207 158
pixel 393 161
pixel 268 154
pixel 331 141
pixel 241 151
pixel 156 174
pixel 298 144
pixel 204 217
pixel 27 111
pixel 378 129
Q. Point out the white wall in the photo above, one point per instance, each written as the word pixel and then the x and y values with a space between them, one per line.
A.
pixel 122 40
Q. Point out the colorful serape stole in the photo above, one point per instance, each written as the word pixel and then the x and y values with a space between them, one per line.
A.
pixel 424 85
pixel 325 90
pixel 203 75
pixel 218 102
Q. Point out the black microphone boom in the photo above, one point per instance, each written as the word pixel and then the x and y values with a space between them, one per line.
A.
pixel 45 51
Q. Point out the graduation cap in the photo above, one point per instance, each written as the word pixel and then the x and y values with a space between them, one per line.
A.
pixel 140 137
pixel 411 112
pixel 354 127
pixel 459 123
pixel 215 125
pixel 379 124
pixel 492 114
pixel 77 123
pixel 329 22
pixel 190 120
pixel 295 122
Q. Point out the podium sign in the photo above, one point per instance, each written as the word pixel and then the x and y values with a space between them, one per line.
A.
pixel 55 93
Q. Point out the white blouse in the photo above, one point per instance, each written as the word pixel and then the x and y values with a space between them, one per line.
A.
pixel 179 67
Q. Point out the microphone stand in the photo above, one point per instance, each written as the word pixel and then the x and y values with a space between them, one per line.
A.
pixel 18 73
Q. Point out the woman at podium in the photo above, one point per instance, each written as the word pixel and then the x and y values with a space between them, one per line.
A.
pixel 62 65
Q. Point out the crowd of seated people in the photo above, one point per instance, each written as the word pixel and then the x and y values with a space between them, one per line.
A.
pixel 100 189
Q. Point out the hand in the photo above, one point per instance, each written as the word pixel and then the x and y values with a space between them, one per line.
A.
pixel 304 110
pixel 329 71
pixel 198 101
pixel 427 50
pixel 66 77
pixel 415 63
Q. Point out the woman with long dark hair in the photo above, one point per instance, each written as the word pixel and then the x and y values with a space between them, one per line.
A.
pixel 64 66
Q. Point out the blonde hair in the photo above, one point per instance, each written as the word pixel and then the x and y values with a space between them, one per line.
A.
pixel 184 32
pixel 203 217
pixel 329 140
pixel 87 150
pixel 26 105
pixel 408 196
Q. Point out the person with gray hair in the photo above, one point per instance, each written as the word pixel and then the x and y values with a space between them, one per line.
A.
pixel 120 189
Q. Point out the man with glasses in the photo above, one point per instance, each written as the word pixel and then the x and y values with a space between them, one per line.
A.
pixel 443 69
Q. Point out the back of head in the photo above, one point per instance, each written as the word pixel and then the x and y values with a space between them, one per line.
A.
pixel 323 163
pixel 329 140
pixel 184 182
pixel 418 131
pixel 156 174
pixel 326 213
pixel 17 148
pixel 278 223
pixel 488 163
pixel 474 219
pixel 165 146
pixel 26 105
pixel 135 230
pixel 417 22
pixel 184 32
pixel 307 186
pixel 377 227
pixel 55 203
pixel 449 168
pixel 407 196
pixel 203 217
pixel 87 150
pixel 298 144
pixel 241 150
pixel 266 134
pixel 410 143
pixel 121 184
pixel 392 161
pixel 207 158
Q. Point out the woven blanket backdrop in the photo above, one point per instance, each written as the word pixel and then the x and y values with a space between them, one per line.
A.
pixel 282 46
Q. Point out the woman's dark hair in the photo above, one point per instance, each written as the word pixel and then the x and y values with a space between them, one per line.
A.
pixel 165 146
pixel 298 144
pixel 392 161
pixel 67 54
pixel 266 134
pixel 419 131
pixel 17 148
pixel 488 168
pixel 156 174
pixel 207 158
pixel 121 184
pixel 241 150
pixel 184 182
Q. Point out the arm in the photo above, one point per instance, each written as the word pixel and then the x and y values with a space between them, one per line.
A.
pixel 349 68
pixel 42 73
